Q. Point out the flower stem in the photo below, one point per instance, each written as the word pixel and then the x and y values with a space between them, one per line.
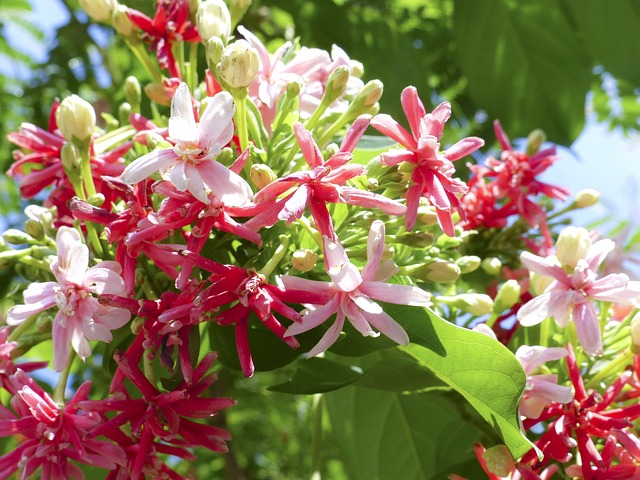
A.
pixel 20 329
pixel 193 64
pixel 317 405
pixel 276 257
pixel 140 53
pixel 612 368
pixel 241 121
pixel 58 394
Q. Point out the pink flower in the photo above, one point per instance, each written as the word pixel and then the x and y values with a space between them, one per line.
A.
pixel 570 296
pixel 432 174
pixel 351 293
pixel 542 389
pixel 80 315
pixel 190 164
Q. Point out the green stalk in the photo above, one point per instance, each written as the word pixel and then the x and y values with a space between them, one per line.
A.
pixel 241 122
pixel 20 329
pixel 317 406
pixel 193 63
pixel 58 394
pixel 612 368
pixel 277 256
pixel 140 53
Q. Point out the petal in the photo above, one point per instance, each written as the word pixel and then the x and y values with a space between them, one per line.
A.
pixel 375 249
pixel 308 146
pixel 297 283
pixel 195 184
pixel 147 165
pixel 535 310
pixel 463 148
pixel 314 317
pixel 329 338
pixel 295 206
pixel 343 273
pixel 359 322
pixel 229 187
pixel 182 124
pixel 546 386
pixel 548 266
pixel 598 251
pixel 397 294
pixel 386 125
pixel 413 109
pixel 216 125
pixel 102 280
pixel 178 176
pixel 388 327
pixel 369 200
pixel 61 340
pixel 397 156
pixel 588 328
pixel 365 303
pixel 531 357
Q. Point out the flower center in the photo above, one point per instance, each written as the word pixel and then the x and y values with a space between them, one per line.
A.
pixel 67 298
pixel 190 153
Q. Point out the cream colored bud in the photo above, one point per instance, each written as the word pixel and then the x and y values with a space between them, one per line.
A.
pixel 366 98
pixel 121 21
pixel 76 119
pixel 239 64
pixel 586 198
pixel 17 237
pixel 499 460
pixel 304 260
pixel 70 158
pixel 132 91
pixel 491 265
pixel 214 49
pixel 507 296
pixel 99 10
pixel 34 228
pixel 261 175
pixel 468 263
pixel 157 94
pixel 474 303
pixel 437 271
pixel 427 214
pixel 416 239
pixel 213 20
pixel 336 83
pixel 357 69
pixel 538 283
pixel 573 244
pixel 535 141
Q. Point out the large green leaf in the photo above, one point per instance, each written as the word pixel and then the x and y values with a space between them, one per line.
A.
pixel 385 435
pixel 318 375
pixel 481 369
pixel 524 65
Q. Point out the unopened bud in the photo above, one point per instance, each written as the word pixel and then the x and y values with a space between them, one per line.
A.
pixel 573 244
pixel 121 21
pixel 499 460
pixel 538 283
pixel 213 20
pixel 372 184
pixel 261 175
pixel 586 198
pixel 96 200
pixel 133 92
pixel 304 260
pixel 124 112
pixel 427 215
pixel 214 49
pixel 336 84
pixel 468 263
pixel 507 296
pixel 438 271
pixel 17 237
pixel 416 240
pixel 70 160
pixel 34 228
pixel 474 303
pixel 535 141
pixel 157 94
pixel 445 241
pixel 238 9
pixel 156 141
pixel 357 69
pixel 99 10
pixel 491 265
pixel 10 257
pixel 293 88
pixel 76 119
pixel 136 325
pixel 239 64
pixel 366 98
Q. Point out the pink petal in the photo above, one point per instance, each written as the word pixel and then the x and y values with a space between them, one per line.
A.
pixel 355 132
pixel 342 272
pixel 147 165
pixel 359 322
pixel 216 126
pixel 433 123
pixel 195 184
pixel 113 318
pixel 295 206
pixel 537 309
pixel 413 109
pixel 413 202
pixel 298 283
pixel 61 340
pixel 397 294
pixel 314 317
pixel 375 249
pixel 42 297
pixel 501 136
pixel 546 386
pixel 178 176
pixel 548 266
pixel 463 148
pixel 229 187
pixel 329 338
pixel 615 287
pixel 585 319
pixel 598 251
pixel 368 200
pixel 308 146
pixel 182 124
pixel 531 357
pixel 386 125
pixel 388 327
pixel 397 156
pixel 365 303
pixel 103 280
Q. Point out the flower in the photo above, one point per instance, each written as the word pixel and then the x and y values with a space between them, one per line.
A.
pixel 190 164
pixel 80 315
pixel 351 292
pixel 431 170
pixel 541 390
pixel 571 294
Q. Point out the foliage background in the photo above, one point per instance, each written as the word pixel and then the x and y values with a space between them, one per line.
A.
pixel 530 63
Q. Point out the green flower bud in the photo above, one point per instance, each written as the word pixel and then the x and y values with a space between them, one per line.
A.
pixel 34 228
pixel 586 198
pixel 214 49
pixel 304 260
pixel 99 10
pixel 261 175
pixel 415 239
pixel 238 9
pixel 507 296
pixel 357 69
pixel 156 141
pixel 468 263
pixel 437 271
pixel 445 241
pixel 124 111
pixel 156 93
pixel 239 64
pixel 133 92
pixel 76 119
pixel 336 84
pixel 427 215
pixel 365 99
pixel 491 265
pixel 538 283
pixel 573 244
pixel 71 161
pixel 499 460
pixel 535 141
pixel 10 257
pixel 293 88
pixel 121 21
pixel 17 237
pixel 96 200
pixel 213 20
pixel 474 303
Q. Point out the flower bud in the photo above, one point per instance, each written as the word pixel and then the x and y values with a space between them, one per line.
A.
pixel 507 296
pixel 468 263
pixel 17 237
pixel 437 271
pixel 336 84
pixel 357 69
pixel 239 64
pixel 499 460
pixel 10 257
pixel 238 9
pixel 99 10
pixel 96 200
pixel 124 112
pixel 491 265
pixel 293 88
pixel 416 240
pixel 133 92
pixel 445 241
pixel 538 283
pixel 427 214
pixel 535 141
pixel 76 119
pixel 474 303
pixel 34 228
pixel 157 94
pixel 156 141
pixel 213 20
pixel 214 49
pixel 573 244
pixel 586 198
pixel 121 21
pixel 71 161
pixel 304 260
pixel 366 98
pixel 261 175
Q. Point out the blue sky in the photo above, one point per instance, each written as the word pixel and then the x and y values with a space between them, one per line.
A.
pixel 601 159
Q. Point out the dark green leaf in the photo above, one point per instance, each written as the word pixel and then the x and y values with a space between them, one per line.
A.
pixel 318 375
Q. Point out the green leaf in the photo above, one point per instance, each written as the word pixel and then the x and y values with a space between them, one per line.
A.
pixel 385 435
pixel 524 65
pixel 318 375
pixel 481 369
pixel 371 146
